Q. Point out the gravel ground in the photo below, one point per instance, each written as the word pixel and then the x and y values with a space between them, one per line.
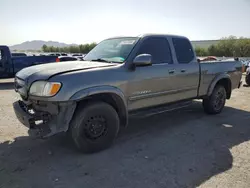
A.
pixel 185 148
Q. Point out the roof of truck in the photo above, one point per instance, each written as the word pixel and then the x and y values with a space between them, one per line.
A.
pixel 150 34
pixel 3 46
pixel 161 34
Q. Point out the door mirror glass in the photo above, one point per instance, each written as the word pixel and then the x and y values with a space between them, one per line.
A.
pixel 143 60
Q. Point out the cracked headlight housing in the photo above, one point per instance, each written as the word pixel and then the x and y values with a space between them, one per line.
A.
pixel 44 88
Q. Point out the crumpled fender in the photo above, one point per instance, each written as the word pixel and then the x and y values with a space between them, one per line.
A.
pixel 122 103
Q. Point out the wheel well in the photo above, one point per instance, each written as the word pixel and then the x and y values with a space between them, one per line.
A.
pixel 112 99
pixel 225 82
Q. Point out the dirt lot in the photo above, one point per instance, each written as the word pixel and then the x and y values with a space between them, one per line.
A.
pixel 186 148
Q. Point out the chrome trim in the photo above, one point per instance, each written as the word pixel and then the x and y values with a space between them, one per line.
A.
pixel 157 64
pixel 156 94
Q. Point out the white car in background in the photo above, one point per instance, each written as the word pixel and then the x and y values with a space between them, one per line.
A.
pixel 247 79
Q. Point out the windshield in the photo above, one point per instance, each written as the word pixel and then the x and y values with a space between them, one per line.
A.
pixel 112 50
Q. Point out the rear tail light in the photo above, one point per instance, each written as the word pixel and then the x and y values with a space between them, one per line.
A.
pixel 57 59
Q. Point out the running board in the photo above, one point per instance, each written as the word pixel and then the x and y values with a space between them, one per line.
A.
pixel 159 109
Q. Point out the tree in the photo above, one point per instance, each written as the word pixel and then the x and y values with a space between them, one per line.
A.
pixel 228 46
pixel 45 48
pixel 83 48
pixel 201 51
pixel 212 50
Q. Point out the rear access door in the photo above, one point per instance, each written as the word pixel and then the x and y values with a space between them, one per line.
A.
pixel 187 69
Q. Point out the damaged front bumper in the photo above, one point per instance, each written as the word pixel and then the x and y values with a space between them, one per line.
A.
pixel 44 119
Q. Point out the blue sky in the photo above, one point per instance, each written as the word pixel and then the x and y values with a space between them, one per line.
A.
pixel 81 21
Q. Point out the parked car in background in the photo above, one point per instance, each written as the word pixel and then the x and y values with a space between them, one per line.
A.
pixel 68 58
pixel 58 54
pixel 9 65
pixel 54 54
pixel 18 54
pixel 246 64
pixel 247 79
pixel 120 77
pixel 80 56
pixel 74 55
pixel 209 58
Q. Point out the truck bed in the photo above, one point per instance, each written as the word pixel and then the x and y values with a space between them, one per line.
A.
pixel 210 69
pixel 22 62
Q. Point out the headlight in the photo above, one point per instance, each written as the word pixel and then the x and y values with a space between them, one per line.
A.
pixel 44 89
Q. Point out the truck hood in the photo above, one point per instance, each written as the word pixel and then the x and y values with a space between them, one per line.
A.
pixel 45 71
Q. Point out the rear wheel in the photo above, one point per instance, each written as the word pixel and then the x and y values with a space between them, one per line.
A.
pixel 94 127
pixel 215 103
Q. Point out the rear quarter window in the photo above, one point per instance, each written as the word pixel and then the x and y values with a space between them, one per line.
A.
pixel 183 50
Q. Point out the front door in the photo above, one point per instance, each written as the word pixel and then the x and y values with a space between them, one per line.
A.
pixel 153 85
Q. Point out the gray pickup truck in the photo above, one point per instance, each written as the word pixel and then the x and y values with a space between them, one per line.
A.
pixel 120 77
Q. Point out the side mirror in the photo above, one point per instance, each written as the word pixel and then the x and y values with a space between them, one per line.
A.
pixel 143 60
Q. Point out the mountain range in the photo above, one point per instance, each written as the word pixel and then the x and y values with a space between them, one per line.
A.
pixel 36 45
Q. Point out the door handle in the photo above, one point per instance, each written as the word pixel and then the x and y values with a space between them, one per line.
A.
pixel 171 71
pixel 183 70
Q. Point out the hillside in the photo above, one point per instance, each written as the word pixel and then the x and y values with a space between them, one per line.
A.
pixel 36 45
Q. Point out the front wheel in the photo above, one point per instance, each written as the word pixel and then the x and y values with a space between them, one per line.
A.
pixel 94 127
pixel 215 103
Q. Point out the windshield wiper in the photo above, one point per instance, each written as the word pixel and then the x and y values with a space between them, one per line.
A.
pixel 101 60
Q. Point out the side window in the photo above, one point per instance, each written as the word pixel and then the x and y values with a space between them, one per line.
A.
pixel 183 50
pixel 159 48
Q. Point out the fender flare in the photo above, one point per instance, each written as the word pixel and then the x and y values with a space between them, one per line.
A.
pixel 215 81
pixel 122 104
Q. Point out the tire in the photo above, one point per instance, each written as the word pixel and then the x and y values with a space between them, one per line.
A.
pixel 248 79
pixel 94 127
pixel 215 103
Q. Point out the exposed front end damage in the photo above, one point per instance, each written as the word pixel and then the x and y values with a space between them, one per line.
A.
pixel 44 119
